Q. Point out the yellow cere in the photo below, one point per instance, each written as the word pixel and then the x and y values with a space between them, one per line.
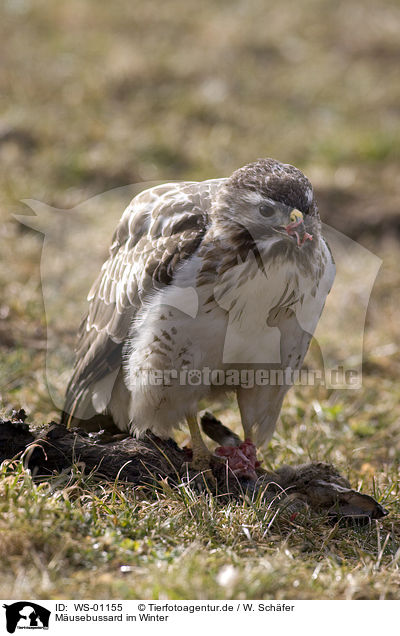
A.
pixel 296 215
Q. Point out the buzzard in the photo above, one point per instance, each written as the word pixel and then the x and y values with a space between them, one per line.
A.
pixel 223 275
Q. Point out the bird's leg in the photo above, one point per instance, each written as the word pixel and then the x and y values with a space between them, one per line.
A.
pixel 201 454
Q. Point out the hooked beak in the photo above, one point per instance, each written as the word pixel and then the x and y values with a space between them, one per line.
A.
pixel 296 228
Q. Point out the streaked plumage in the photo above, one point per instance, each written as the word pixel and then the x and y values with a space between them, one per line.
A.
pixel 210 239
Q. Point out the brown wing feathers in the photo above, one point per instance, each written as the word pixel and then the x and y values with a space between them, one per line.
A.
pixel 160 229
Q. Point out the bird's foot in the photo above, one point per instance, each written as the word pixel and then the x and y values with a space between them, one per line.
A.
pixel 242 459
pixel 199 466
pixel 201 461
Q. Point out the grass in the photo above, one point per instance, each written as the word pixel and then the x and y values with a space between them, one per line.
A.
pixel 96 96
pixel 83 539
pixel 74 536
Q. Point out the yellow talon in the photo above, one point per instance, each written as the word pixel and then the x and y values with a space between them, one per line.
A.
pixel 296 215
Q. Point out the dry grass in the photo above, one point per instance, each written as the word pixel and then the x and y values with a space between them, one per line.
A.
pixel 95 96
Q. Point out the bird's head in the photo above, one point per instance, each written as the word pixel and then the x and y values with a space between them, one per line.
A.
pixel 270 199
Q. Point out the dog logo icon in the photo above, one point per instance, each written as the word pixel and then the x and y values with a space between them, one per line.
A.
pixel 26 615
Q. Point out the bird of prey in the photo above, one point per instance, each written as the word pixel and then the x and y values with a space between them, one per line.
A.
pixel 219 275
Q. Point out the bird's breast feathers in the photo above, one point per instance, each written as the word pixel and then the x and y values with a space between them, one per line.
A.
pixel 233 316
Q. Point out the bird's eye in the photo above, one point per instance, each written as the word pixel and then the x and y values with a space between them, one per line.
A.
pixel 266 210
